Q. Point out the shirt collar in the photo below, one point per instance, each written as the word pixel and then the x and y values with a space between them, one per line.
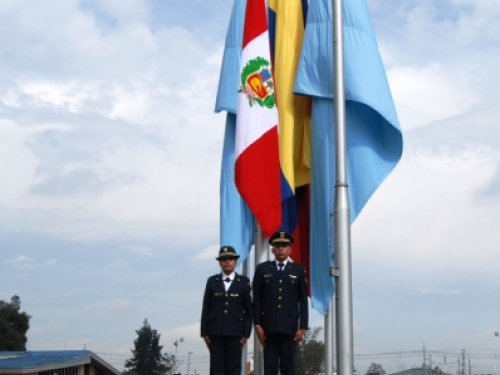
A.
pixel 284 262
pixel 231 276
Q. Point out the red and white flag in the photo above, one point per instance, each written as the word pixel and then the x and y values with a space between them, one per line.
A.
pixel 257 168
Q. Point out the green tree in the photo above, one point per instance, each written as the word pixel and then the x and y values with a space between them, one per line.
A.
pixel 147 358
pixel 375 369
pixel 310 356
pixel 13 325
pixel 168 365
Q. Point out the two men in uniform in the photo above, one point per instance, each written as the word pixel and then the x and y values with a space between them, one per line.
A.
pixel 280 310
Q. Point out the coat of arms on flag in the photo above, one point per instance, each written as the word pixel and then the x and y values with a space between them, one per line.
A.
pixel 257 83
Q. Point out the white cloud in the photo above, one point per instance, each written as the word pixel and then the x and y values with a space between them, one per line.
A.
pixel 209 253
pixel 428 199
pixel 159 141
pixel 113 307
pixel 431 289
pixel 140 250
pixel 426 94
pixel 26 263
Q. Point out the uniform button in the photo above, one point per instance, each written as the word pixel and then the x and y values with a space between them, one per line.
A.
pixel 227 303
pixel 226 294
pixel 279 306
pixel 279 289
pixel 225 311
pixel 281 281
pixel 279 297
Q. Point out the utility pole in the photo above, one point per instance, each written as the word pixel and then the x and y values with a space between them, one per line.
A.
pixel 189 361
pixel 463 362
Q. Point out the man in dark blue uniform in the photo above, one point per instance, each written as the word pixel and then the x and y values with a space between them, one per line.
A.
pixel 280 308
pixel 226 317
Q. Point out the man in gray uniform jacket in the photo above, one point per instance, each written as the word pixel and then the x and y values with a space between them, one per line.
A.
pixel 280 308
pixel 226 317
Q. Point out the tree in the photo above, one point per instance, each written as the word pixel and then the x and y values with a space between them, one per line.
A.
pixel 169 364
pixel 13 325
pixel 310 356
pixel 147 358
pixel 375 369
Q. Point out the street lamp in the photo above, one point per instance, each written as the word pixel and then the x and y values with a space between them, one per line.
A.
pixel 189 361
pixel 176 343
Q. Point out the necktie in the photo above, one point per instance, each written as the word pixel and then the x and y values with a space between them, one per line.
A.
pixel 227 279
pixel 281 265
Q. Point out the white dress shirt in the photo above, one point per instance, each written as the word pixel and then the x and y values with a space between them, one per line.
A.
pixel 285 262
pixel 227 284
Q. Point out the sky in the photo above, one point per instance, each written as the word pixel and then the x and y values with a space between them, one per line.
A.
pixel 110 164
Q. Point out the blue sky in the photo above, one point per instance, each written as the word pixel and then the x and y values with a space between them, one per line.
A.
pixel 109 186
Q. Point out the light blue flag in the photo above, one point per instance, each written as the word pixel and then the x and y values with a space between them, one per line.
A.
pixel 237 223
pixel 374 139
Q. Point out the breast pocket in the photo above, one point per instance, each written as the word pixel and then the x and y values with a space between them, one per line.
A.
pixel 269 278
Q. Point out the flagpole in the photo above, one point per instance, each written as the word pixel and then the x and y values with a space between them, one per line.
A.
pixel 342 269
pixel 261 255
pixel 330 347
pixel 245 270
pixel 330 331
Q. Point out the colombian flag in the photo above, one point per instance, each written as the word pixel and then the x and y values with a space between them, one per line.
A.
pixel 257 166
pixel 286 29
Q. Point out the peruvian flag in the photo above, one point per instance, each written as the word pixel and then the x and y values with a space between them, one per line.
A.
pixel 257 168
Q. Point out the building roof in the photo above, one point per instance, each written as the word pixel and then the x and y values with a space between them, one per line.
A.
pixel 13 362
pixel 420 371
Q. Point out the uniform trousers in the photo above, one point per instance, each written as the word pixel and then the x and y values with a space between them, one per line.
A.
pixel 225 355
pixel 279 351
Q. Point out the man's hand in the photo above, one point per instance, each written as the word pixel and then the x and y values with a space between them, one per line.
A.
pixel 299 335
pixel 243 342
pixel 207 341
pixel 261 335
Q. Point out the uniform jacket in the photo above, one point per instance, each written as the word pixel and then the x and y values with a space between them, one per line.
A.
pixel 280 298
pixel 227 313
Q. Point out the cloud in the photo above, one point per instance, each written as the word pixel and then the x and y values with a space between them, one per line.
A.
pixel 435 290
pixel 438 56
pixel 26 263
pixel 429 93
pixel 206 254
pixel 491 189
pixel 140 250
pixel 113 307
pixel 187 332
pixel 418 202
pixel 119 152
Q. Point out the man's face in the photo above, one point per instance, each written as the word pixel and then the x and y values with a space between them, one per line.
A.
pixel 281 251
pixel 227 265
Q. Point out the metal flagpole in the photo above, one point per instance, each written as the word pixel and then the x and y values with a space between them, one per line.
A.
pixel 342 238
pixel 261 255
pixel 330 331
pixel 245 270
pixel 330 364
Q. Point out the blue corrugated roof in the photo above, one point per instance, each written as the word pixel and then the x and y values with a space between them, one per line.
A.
pixel 30 359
